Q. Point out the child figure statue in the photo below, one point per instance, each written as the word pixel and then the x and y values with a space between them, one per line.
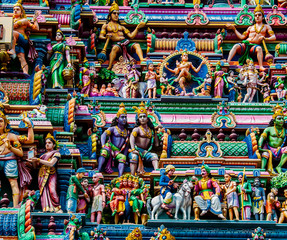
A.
pixel 151 78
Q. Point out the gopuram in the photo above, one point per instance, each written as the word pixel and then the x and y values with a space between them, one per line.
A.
pixel 143 119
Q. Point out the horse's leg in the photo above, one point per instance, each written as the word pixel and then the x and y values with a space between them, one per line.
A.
pixel 188 210
pixel 184 212
pixel 155 211
pixel 159 212
pixel 177 206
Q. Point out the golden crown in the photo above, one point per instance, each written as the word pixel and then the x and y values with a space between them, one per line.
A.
pixel 49 135
pixel 122 110
pixel 85 60
pixel 259 9
pixel 114 7
pixel 278 111
pixel 169 167
pixel 141 109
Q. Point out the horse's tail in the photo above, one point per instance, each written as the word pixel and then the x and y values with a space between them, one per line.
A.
pixel 148 206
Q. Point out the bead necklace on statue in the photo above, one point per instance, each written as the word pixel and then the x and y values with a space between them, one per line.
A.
pixel 279 135
pixel 114 29
pixel 147 133
pixel 122 133
pixel 261 28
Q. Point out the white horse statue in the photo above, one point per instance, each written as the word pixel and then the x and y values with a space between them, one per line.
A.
pixel 181 200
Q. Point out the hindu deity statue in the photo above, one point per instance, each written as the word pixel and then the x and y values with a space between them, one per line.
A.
pixel 220 78
pixel 133 77
pixel 86 75
pixel 47 177
pixel 166 88
pixel 283 214
pixel 252 38
pixel 280 89
pixel 142 140
pixel 231 196
pixel 113 30
pixel 271 204
pixel 205 88
pixel 151 77
pixel 83 202
pixel 259 200
pixel 271 143
pixel 244 191
pixel 251 81
pixel 20 38
pixel 99 199
pixel 115 142
pixel 59 55
pixel 232 86
pixel 205 198
pixel 11 149
pixel 183 76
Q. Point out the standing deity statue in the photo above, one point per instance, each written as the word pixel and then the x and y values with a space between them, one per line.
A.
pixel 244 191
pixel 259 200
pixel 132 84
pixel 60 58
pixel 20 39
pixel 151 77
pixel 142 140
pixel 117 33
pixel 115 142
pixel 231 196
pixel 11 149
pixel 272 142
pixel 252 38
pixel 251 81
pixel 86 75
pixel 271 204
pixel 99 199
pixel 47 177
pixel 283 214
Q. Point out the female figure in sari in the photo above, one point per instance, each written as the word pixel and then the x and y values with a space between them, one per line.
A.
pixel 59 60
pixel 47 177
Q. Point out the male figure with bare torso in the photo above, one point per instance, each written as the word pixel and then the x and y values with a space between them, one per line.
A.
pixel 142 139
pixel 182 70
pixel 253 37
pixel 99 199
pixel 116 33
pixel 20 39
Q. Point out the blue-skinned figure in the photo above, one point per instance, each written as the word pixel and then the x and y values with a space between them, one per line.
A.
pixel 259 199
pixel 115 143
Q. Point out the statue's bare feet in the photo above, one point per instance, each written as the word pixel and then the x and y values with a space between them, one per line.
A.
pixel 169 214
pixel 221 216
pixel 121 213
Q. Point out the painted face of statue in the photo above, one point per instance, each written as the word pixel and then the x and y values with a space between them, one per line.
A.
pixel 49 145
pixel 95 178
pixel 85 183
pixel 218 67
pixel 17 11
pixel 279 121
pixel 240 178
pixel 59 36
pixel 251 66
pixel 184 57
pixel 275 191
pixel 122 119
pixel 257 182
pixel 115 16
pixel 125 182
pixel 258 17
pixel 203 172
pixel 227 177
pixel 150 67
pixel 170 172
pixel 143 119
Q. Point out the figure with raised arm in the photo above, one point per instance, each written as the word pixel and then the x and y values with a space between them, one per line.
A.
pixel 252 38
pixel 182 70
pixel 20 39
pixel 244 191
pixel 120 35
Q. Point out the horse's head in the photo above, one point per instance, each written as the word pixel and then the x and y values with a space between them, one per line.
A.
pixel 186 187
